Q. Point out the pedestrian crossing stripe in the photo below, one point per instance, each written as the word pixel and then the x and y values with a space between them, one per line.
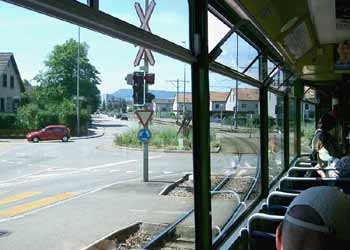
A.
pixel 20 209
pixel 18 197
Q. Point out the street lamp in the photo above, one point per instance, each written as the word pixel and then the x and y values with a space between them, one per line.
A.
pixel 78 78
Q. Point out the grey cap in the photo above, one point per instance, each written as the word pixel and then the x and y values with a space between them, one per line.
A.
pixel 331 204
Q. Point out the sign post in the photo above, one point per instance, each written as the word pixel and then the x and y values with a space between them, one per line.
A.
pixel 144 135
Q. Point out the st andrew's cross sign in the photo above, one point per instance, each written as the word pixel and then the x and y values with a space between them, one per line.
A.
pixel 144 19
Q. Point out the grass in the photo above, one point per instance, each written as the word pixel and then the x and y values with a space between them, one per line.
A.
pixel 162 138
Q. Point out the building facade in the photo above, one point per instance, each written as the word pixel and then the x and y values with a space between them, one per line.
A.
pixel 11 84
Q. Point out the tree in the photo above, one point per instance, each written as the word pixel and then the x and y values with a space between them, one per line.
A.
pixel 62 71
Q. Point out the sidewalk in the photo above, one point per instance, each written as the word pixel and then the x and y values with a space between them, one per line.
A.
pixel 93 133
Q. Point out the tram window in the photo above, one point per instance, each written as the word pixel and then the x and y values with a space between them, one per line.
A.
pixel 237 59
pixel 308 124
pixel 276 140
pixel 169 19
pixel 234 145
pixel 292 128
pixel 85 182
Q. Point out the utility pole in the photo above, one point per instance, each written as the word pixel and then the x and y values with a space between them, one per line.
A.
pixel 177 100
pixel 78 78
pixel 236 99
pixel 177 81
pixel 184 106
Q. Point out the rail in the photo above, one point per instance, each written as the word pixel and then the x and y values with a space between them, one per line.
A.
pixel 189 212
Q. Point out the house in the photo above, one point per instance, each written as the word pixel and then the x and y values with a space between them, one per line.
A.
pixel 182 101
pixel 247 102
pixel 218 101
pixel 163 105
pixel 11 84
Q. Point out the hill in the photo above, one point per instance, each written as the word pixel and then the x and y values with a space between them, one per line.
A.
pixel 159 94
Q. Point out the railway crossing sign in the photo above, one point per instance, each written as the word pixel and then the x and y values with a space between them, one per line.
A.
pixel 144 135
pixel 144 19
pixel 144 116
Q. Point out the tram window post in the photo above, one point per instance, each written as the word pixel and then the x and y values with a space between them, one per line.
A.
pixel 299 92
pixel 264 129
pixel 286 130
pixel 201 144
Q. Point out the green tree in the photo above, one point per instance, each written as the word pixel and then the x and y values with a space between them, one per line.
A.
pixel 62 71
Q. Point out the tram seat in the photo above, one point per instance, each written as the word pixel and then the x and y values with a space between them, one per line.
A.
pixel 261 231
pixel 297 184
pixel 278 202
pixel 301 171
pixel 304 163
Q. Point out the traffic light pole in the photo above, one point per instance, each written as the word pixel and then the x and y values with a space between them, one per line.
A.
pixel 145 145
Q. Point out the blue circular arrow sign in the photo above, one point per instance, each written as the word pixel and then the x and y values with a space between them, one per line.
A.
pixel 144 135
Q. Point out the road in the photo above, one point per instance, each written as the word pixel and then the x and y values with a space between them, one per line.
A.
pixel 42 184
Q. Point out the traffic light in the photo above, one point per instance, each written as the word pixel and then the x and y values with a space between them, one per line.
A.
pixel 138 78
pixel 138 94
pixel 149 78
pixel 149 97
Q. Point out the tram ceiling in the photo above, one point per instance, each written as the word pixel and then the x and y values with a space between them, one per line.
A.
pixel 298 30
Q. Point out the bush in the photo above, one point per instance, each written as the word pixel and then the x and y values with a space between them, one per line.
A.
pixel 7 121
pixel 171 115
pixel 32 117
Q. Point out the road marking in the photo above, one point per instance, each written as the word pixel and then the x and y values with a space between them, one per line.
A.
pixel 18 197
pixel 77 197
pixel 130 172
pixel 22 176
pixel 116 163
pixel 36 204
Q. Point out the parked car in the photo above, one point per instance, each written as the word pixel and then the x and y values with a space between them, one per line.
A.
pixel 53 132
pixel 124 116
pixel 118 116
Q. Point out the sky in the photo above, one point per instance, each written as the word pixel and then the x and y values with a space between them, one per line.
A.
pixel 31 36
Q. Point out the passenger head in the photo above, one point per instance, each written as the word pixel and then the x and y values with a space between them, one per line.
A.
pixel 343 167
pixel 344 52
pixel 327 122
pixel 317 219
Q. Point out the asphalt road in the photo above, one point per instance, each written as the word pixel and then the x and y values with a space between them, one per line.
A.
pixel 40 181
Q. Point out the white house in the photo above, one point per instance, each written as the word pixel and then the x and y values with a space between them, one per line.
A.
pixel 11 84
pixel 182 100
pixel 247 102
pixel 218 101
pixel 163 106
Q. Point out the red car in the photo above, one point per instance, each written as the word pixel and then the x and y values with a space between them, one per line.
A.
pixel 53 132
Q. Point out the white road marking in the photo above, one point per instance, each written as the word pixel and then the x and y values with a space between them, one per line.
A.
pixel 32 177
pixel 130 172
pixel 167 172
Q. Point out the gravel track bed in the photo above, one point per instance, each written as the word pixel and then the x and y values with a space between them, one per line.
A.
pixel 185 189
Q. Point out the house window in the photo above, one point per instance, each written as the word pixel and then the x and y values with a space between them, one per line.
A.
pixel 4 80
pixel 256 105
pixel 306 106
pixel 12 82
pixel 217 106
pixel 2 105
pixel 244 105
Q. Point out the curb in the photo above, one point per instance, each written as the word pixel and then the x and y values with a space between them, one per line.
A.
pixel 170 187
pixel 214 151
pixel 87 137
